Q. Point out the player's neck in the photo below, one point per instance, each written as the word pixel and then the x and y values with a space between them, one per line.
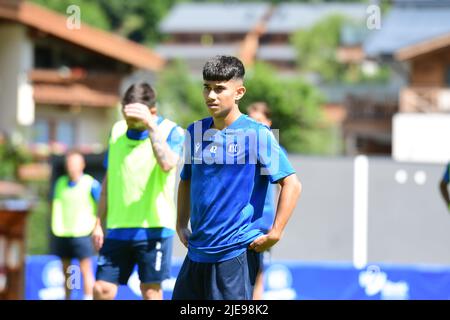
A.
pixel 222 123
pixel 76 178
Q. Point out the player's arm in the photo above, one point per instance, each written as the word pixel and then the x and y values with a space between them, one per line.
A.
pixel 184 211
pixel 166 158
pixel 98 232
pixel 444 192
pixel 290 190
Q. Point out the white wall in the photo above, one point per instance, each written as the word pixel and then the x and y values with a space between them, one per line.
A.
pixel 419 137
pixel 16 60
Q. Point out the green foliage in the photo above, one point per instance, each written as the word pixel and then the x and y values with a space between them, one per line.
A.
pixel 38 222
pixel 317 52
pixel 316 48
pixel 180 96
pixel 137 19
pixel 11 157
pixel 295 107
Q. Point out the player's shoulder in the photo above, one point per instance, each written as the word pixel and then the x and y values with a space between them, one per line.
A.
pixel 119 124
pixel 203 123
pixel 118 128
pixel 62 179
pixel 250 123
pixel 88 177
pixel 174 128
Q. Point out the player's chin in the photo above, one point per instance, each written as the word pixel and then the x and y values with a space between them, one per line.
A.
pixel 135 124
pixel 214 111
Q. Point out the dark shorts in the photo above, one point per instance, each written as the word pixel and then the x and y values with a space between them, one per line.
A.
pixel 72 247
pixel 232 279
pixel 117 259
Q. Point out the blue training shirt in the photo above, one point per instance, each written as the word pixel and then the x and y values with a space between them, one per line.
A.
pixel 175 140
pixel 229 172
pixel 269 205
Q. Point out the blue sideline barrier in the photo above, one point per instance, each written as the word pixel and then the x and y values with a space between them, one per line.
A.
pixel 283 281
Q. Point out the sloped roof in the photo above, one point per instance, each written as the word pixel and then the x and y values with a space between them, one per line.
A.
pixel 75 88
pixel 289 17
pixel 404 27
pixel 99 41
pixel 423 47
pixel 213 17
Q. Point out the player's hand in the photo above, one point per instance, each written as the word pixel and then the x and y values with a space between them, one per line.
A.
pixel 184 234
pixel 264 242
pixel 97 237
pixel 140 112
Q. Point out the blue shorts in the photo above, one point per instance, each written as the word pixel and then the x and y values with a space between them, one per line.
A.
pixel 117 259
pixel 231 279
pixel 72 247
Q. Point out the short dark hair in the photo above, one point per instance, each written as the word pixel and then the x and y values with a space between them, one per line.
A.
pixel 262 107
pixel 140 92
pixel 223 68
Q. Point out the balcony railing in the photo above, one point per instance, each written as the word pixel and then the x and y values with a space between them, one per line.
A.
pixel 423 99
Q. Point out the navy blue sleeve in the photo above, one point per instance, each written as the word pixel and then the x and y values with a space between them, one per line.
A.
pixel 272 157
pixel 186 172
pixel 446 177
pixel 96 190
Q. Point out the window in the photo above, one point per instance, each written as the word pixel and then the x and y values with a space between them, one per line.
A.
pixel 65 133
pixel 54 130
pixel 41 131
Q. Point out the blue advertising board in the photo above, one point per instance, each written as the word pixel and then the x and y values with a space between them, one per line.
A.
pixel 284 280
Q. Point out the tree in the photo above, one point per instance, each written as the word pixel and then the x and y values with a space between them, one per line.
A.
pixel 317 51
pixel 316 48
pixel 91 12
pixel 179 95
pixel 295 107
pixel 136 20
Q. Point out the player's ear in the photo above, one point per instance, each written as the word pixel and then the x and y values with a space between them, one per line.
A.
pixel 240 91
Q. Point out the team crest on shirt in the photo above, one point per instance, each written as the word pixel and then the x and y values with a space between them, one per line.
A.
pixel 233 148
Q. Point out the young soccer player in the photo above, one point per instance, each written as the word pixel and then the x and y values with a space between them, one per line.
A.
pixel 138 198
pixel 230 160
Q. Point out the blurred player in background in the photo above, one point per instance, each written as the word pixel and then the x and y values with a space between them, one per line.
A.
pixel 137 202
pixel 74 208
pixel 260 112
